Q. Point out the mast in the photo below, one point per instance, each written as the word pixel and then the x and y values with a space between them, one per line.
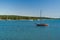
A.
pixel 40 16
pixel 40 13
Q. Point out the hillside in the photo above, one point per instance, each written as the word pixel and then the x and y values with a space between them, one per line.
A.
pixel 15 17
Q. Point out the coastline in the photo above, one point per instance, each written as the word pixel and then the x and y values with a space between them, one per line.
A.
pixel 15 17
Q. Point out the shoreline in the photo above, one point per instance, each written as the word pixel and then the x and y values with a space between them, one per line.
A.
pixel 15 17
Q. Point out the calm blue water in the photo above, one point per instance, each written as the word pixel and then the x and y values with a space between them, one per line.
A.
pixel 27 30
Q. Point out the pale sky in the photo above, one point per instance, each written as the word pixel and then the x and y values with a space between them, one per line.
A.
pixel 50 8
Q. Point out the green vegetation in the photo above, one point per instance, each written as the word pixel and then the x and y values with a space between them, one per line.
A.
pixel 15 17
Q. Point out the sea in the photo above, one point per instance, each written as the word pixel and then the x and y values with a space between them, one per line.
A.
pixel 27 30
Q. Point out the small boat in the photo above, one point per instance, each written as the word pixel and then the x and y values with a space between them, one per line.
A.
pixel 41 24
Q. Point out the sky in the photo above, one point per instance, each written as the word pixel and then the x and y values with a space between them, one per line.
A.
pixel 49 8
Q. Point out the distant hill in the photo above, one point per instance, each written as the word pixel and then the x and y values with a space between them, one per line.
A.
pixel 15 17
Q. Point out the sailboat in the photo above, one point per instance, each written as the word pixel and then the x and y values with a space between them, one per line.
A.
pixel 41 24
